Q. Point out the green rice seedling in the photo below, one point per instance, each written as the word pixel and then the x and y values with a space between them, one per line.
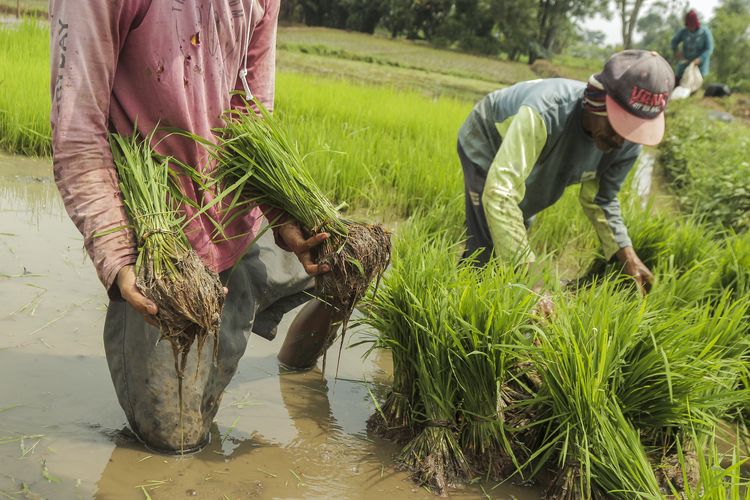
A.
pixel 489 306
pixel 258 163
pixel 720 476
pixel 706 163
pixel 423 258
pixel 733 265
pixel 189 296
pixel 24 88
pixel 664 244
pixel 684 373
pixel 434 456
pixel 580 355
pixel 383 151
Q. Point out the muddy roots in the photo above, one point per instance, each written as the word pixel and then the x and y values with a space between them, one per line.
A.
pixel 363 257
pixel 435 459
pixel 189 303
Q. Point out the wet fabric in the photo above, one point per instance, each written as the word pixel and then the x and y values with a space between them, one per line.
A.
pixel 118 64
pixel 528 141
pixel 263 286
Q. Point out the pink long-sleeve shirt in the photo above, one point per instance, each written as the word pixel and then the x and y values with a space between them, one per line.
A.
pixel 120 63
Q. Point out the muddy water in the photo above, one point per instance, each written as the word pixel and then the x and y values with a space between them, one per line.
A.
pixel 276 435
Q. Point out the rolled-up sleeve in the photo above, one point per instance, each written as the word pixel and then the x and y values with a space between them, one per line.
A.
pixel 85 41
pixel 600 203
pixel 505 187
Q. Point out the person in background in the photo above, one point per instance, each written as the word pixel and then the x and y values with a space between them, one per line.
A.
pixel 119 65
pixel 697 46
pixel 523 145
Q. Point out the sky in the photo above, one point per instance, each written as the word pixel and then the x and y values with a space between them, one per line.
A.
pixel 611 28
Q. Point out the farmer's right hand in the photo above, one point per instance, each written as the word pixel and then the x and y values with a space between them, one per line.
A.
pixel 544 306
pixel 292 236
pixel 130 292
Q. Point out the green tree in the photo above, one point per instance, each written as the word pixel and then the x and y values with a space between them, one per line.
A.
pixel 515 25
pixel 659 24
pixel 731 29
pixel 555 23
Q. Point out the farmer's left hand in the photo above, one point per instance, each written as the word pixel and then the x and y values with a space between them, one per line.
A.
pixel 291 233
pixel 696 61
pixel 635 268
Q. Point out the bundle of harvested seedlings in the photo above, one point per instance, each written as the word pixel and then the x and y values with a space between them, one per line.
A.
pixel 258 163
pixel 189 295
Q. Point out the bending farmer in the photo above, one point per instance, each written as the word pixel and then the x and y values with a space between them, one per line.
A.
pixel 522 146
pixel 120 64
pixel 697 45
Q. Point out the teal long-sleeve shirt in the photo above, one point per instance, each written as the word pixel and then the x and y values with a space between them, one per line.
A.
pixel 530 142
pixel 697 44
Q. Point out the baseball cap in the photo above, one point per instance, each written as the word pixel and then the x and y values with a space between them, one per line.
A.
pixel 638 84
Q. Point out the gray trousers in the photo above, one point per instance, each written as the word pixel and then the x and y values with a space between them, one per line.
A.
pixel 263 286
pixel 479 241
pixel 479 245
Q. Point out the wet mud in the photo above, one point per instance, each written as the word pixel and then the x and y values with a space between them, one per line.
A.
pixel 277 435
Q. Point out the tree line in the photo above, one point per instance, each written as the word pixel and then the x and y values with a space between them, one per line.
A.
pixel 533 29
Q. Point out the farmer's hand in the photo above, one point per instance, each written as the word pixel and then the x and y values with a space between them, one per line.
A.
pixel 292 236
pixel 633 266
pixel 696 61
pixel 130 292
pixel 679 55
pixel 544 306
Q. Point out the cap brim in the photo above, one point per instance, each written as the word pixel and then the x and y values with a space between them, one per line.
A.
pixel 635 129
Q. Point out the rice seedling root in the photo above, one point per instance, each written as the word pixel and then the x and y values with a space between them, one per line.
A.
pixel 435 459
pixel 363 257
pixel 673 472
pixel 189 301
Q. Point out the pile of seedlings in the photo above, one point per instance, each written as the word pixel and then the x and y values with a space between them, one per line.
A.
pixel 258 165
pixel 453 336
pixel 612 398
pixel 168 271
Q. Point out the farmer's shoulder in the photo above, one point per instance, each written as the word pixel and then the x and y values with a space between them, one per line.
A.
pixel 552 92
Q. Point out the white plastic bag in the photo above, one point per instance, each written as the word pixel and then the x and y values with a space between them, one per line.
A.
pixel 679 93
pixel 692 78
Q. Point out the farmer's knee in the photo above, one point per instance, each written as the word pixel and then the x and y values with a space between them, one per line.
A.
pixel 163 426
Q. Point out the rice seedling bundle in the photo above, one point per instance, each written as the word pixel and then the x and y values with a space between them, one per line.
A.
pixel 433 455
pixel 488 309
pixel 578 358
pixel 189 295
pixel 258 163
pixel 451 332
pixel 424 262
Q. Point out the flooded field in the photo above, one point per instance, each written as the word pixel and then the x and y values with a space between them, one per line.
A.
pixel 61 429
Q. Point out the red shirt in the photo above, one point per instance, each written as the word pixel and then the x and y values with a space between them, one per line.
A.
pixel 118 63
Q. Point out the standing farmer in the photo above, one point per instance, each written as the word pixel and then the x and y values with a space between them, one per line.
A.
pixel 121 64
pixel 697 45
pixel 522 146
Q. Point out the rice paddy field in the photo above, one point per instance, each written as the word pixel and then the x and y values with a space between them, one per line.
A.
pixel 451 382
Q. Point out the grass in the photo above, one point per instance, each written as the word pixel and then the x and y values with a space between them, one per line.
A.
pixel 706 162
pixel 402 53
pixel 28 7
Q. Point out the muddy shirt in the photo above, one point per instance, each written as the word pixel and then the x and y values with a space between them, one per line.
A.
pixel 118 63
pixel 529 141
